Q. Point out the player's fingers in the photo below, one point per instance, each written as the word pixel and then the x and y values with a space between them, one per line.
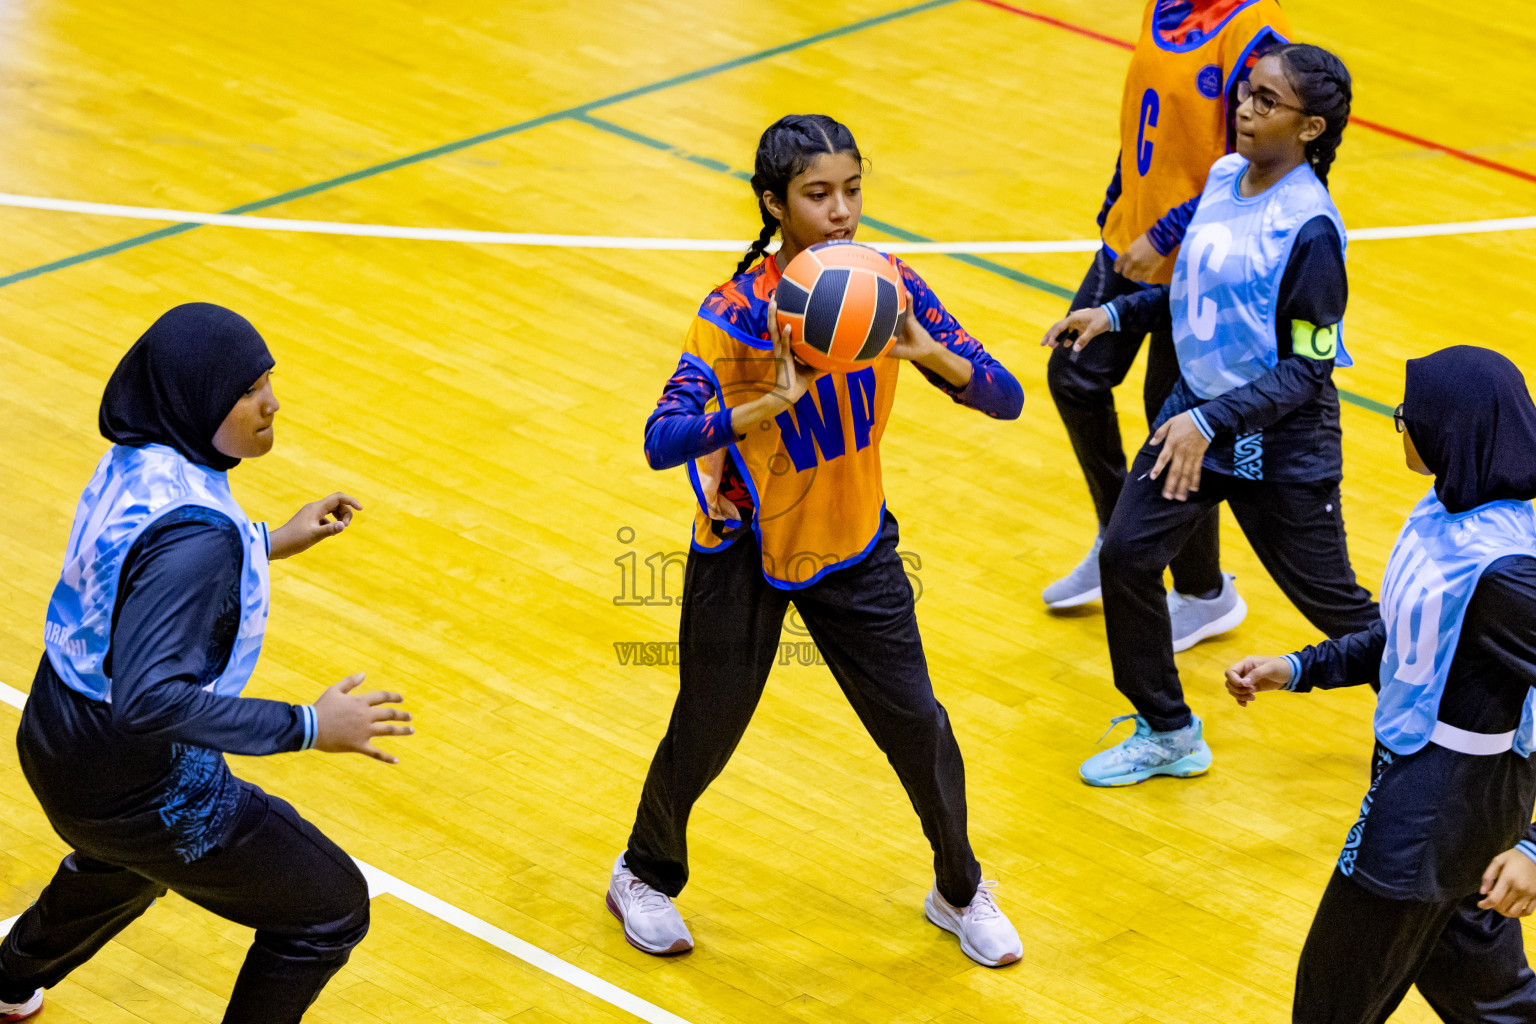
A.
pixel 378 697
pixel 1174 483
pixel 352 682
pixel 377 754
pixel 1491 875
pixel 387 729
pixel 1051 339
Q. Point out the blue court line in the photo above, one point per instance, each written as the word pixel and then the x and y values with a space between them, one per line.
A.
pixel 896 232
pixel 475 140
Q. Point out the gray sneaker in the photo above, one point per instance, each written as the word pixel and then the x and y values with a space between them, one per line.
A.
pixel 1079 586
pixel 1196 618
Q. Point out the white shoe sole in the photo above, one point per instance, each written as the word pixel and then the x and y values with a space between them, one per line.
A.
pixel 678 947
pixel 965 946
pixel 31 1008
pixel 1077 599
pixel 1228 621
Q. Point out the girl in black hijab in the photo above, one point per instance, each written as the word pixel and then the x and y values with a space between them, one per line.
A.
pixel 1441 864
pixel 152 631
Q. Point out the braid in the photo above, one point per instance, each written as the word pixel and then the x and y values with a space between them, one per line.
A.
pixel 1323 85
pixel 785 151
pixel 770 225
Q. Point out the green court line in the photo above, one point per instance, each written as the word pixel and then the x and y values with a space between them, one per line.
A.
pixel 894 231
pixel 475 140
pixel 879 225
pixel 582 113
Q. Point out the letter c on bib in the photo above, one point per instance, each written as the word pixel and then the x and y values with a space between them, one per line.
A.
pixel 1149 107
pixel 1213 241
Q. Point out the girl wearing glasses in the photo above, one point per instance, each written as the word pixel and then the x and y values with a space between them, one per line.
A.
pixel 1442 863
pixel 1255 306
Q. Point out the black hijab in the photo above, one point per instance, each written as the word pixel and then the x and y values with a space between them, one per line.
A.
pixel 1474 425
pixel 178 382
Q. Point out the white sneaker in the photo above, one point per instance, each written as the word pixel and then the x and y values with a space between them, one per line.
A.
pixel 651 923
pixel 10 1013
pixel 986 935
pixel 1079 586
pixel 1195 618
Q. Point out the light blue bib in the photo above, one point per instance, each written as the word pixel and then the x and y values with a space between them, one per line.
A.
pixel 1226 280
pixel 1434 568
pixel 131 489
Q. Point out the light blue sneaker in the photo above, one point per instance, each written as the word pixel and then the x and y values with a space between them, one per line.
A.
pixel 1181 753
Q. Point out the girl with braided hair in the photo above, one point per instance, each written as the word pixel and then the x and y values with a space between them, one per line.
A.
pixel 1255 306
pixel 785 466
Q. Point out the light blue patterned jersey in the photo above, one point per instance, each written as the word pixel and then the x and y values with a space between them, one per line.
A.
pixel 1226 280
pixel 1430 578
pixel 131 489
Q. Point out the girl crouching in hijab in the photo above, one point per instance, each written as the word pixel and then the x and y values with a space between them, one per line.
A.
pixel 152 632
pixel 1442 862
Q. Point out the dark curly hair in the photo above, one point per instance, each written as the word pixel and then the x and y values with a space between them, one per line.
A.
pixel 786 150
pixel 1323 85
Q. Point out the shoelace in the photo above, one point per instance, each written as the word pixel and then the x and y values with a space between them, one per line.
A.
pixel 647 900
pixel 984 906
pixel 1114 722
pixel 1135 747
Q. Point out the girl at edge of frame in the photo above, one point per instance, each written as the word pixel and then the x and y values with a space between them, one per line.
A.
pixel 783 464
pixel 153 630
pixel 1434 876
pixel 1255 307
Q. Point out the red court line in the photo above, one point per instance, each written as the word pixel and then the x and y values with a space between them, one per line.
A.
pixel 1459 154
pixel 1057 23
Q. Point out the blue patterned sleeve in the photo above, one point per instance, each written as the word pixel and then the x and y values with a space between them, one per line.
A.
pixel 679 430
pixel 991 389
pixel 1168 233
pixel 1111 194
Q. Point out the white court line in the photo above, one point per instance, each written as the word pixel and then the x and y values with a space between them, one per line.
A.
pixel 325 227
pixel 381 882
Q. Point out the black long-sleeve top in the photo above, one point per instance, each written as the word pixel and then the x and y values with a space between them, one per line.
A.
pixel 1462 808
pixel 1294 406
pixel 143 775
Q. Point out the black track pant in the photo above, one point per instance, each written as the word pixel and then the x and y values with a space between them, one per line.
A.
pixel 277 874
pixel 1082 385
pixel 864 625
pixel 1365 950
pixel 1296 529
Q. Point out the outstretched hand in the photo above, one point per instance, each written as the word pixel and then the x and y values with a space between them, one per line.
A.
pixel 312 524
pixel 1077 328
pixel 1253 675
pixel 347 722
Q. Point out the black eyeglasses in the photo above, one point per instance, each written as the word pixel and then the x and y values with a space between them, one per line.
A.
pixel 1397 418
pixel 1263 102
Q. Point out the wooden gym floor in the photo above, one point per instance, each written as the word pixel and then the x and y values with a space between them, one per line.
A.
pixel 486 404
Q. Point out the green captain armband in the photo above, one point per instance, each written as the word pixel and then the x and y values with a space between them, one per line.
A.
pixel 1314 342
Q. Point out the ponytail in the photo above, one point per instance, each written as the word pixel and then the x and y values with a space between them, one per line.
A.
pixel 785 151
pixel 1323 85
